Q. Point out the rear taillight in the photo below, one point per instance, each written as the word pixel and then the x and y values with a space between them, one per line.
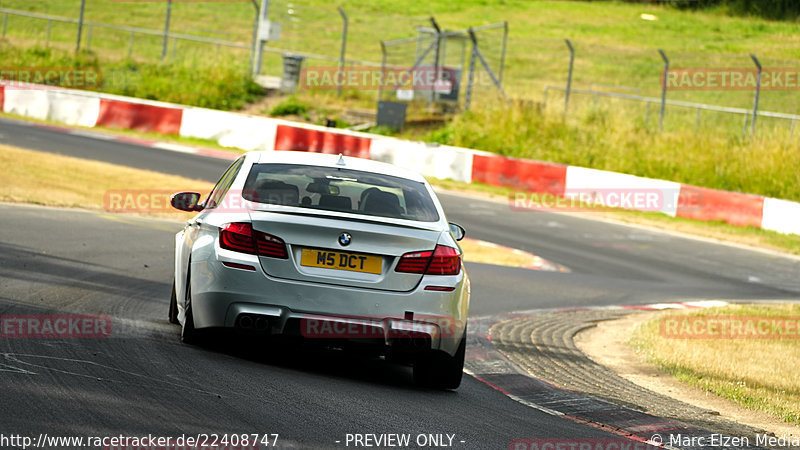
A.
pixel 240 237
pixel 446 261
pixel 237 237
pixel 270 246
pixel 415 262
pixel 442 260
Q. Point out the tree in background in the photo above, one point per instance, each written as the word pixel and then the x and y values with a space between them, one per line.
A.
pixel 769 9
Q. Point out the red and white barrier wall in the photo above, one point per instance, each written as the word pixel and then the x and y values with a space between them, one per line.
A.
pixel 434 161
pixel 89 109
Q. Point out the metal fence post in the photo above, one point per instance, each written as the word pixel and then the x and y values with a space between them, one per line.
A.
pixel 49 26
pixel 165 41
pixel 80 27
pixel 663 90
pixel 5 24
pixel 342 50
pixel 259 43
pixel 485 65
pixel 755 101
pixel 383 70
pixel 471 76
pixel 255 37
pixel 569 75
pixel 436 59
pixel 503 51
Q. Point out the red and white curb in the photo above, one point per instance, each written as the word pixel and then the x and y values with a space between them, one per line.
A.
pixel 487 364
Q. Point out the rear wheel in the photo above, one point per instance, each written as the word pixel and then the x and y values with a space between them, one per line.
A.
pixel 440 370
pixel 173 306
pixel 189 334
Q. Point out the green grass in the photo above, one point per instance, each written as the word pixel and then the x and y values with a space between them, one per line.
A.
pixel 211 83
pixel 754 373
pixel 614 45
pixel 604 139
pixel 290 106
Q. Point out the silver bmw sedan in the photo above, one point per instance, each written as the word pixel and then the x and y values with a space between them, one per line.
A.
pixel 325 247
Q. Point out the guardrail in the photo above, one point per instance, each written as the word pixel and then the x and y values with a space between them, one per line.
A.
pixel 133 31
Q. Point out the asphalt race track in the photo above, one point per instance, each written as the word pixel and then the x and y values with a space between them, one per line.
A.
pixel 142 380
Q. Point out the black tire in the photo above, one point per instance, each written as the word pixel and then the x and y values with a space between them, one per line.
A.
pixel 440 370
pixel 173 306
pixel 189 334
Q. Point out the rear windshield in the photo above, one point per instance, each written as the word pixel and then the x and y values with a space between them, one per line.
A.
pixel 344 190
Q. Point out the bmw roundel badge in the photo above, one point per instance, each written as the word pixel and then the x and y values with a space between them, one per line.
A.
pixel 344 239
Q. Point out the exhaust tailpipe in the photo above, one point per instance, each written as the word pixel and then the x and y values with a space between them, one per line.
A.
pixel 246 322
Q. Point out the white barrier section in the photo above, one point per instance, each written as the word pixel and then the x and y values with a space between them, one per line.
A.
pixel 782 216
pixel 73 108
pixel 460 162
pixel 229 129
pixel 434 161
pixel 26 102
pixel 623 191
pixel 44 103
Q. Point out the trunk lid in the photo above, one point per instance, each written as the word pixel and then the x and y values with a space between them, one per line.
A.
pixel 367 261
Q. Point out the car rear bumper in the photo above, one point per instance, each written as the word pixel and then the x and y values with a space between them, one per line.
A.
pixel 408 335
pixel 226 297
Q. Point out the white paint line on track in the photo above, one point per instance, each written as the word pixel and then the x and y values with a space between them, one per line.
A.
pixel 707 303
pixel 93 135
pixel 174 147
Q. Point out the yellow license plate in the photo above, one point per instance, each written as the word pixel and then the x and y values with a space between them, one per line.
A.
pixel 341 261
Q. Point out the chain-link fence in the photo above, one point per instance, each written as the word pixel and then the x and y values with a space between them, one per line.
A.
pixel 626 80
pixel 698 90
pixel 445 67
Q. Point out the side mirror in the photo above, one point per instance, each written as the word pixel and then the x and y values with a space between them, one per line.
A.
pixel 458 231
pixel 186 201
